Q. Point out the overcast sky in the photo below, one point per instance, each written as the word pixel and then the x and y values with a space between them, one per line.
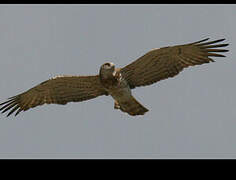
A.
pixel 190 116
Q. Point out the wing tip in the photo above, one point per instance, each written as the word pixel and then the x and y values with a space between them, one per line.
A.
pixel 206 39
pixel 199 43
pixel 10 105
pixel 212 49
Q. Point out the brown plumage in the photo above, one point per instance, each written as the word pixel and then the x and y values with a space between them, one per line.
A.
pixel 166 62
pixel 131 106
pixel 58 90
pixel 156 65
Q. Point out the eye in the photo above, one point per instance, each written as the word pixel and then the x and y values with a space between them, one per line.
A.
pixel 107 64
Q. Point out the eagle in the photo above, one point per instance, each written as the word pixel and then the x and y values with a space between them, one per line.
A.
pixel 157 64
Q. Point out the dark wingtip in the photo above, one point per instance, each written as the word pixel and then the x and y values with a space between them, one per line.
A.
pixel 10 104
pixel 19 110
pixel 13 110
pixel 211 48
pixel 200 41
pixel 211 42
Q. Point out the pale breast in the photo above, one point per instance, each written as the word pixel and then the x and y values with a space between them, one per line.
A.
pixel 116 86
pixel 121 91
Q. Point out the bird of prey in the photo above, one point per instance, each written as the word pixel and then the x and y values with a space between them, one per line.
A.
pixel 155 65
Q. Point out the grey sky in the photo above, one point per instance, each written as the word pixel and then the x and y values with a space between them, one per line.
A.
pixel 191 116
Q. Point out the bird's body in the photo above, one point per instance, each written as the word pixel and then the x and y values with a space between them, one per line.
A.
pixel 119 89
pixel 156 65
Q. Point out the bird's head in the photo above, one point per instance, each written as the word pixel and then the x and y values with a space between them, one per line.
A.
pixel 107 69
pixel 108 66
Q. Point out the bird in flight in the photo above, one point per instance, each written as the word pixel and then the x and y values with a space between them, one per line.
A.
pixel 155 65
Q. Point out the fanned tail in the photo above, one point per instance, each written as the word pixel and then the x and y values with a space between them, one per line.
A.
pixel 131 106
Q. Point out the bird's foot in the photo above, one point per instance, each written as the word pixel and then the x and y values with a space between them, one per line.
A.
pixel 116 105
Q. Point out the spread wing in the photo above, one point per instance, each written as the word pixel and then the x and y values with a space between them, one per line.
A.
pixel 166 62
pixel 58 90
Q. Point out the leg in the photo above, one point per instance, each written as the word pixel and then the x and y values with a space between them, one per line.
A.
pixel 116 105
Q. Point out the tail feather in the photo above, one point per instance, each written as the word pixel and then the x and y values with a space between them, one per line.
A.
pixel 131 106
